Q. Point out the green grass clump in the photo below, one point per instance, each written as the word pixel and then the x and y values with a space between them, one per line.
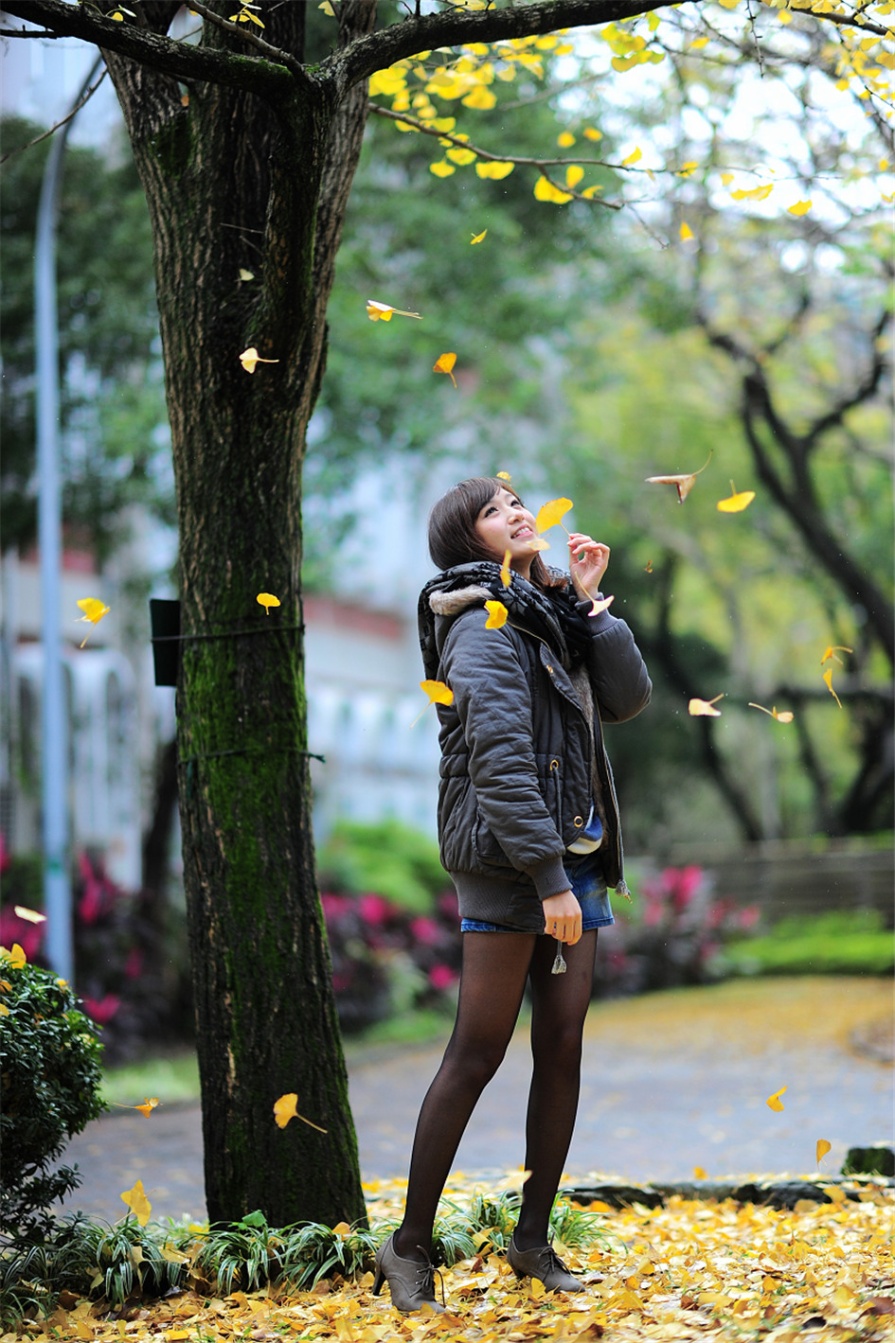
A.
pixel 842 942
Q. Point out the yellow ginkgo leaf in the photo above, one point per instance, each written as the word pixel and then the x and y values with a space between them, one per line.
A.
pixel 704 708
pixel 753 193
pixel 538 543
pixel 737 502
pixel 246 274
pixel 4 1010
pixel 286 1108
pixel 267 600
pixel 828 682
pixel 504 475
pixel 685 233
pixel 634 157
pixel 139 1204
pixel 478 237
pixel 785 716
pixel 327 8
pixel 599 604
pixel 699 1173
pixel 800 208
pixel 545 190
pixel 438 169
pixel 29 915
pixel 821 1149
pixel 94 610
pixel 565 139
pixel 250 359
pixel 445 364
pixel 497 615
pixel 551 513
pixel 148 1105
pixel 16 957
pixel 774 1102
pixel 830 653
pixel 437 691
pixel 384 312
pixel 574 174
pixel 683 483
pixel 505 575
pixel 496 172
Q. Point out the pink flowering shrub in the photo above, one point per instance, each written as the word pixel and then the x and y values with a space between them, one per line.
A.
pixel 671 935
pixel 386 958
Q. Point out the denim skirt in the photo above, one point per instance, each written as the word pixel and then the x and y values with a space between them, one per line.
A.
pixel 585 873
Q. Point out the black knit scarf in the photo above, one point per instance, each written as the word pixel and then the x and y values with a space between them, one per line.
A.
pixel 551 614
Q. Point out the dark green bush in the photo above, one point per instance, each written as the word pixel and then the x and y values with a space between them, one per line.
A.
pixel 840 942
pixel 386 858
pixel 49 1089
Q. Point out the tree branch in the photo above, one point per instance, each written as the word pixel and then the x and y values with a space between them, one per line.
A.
pixel 861 393
pixel 453 27
pixel 179 60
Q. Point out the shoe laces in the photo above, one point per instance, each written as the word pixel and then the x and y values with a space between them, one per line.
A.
pixel 427 1274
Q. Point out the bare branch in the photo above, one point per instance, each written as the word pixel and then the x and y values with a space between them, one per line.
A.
pixel 88 94
pixel 180 60
pixel 863 392
pixel 246 34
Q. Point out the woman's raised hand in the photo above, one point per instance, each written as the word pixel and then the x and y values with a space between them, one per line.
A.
pixel 588 562
pixel 562 917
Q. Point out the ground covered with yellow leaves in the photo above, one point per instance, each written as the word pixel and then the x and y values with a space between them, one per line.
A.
pixel 688 1270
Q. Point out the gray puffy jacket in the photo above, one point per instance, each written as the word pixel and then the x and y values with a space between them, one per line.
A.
pixel 522 747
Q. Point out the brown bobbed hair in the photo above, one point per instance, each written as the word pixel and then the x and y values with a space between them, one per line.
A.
pixel 452 535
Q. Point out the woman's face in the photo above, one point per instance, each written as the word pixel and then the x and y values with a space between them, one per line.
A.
pixel 505 524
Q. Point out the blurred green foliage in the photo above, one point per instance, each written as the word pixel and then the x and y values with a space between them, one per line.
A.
pixel 844 942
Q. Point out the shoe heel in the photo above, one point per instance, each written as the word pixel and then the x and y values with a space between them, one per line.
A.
pixel 378 1281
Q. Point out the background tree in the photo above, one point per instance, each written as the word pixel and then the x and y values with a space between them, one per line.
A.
pixel 246 147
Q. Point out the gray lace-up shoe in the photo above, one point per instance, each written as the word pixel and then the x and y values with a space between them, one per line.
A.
pixel 411 1282
pixel 542 1262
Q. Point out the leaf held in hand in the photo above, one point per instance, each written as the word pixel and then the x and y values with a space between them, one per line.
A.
pixel 497 615
pixel 599 604
pixel 445 364
pixel 551 513
pixel 703 708
pixel 774 1102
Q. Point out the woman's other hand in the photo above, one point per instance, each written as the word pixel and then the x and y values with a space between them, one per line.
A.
pixel 562 917
pixel 588 562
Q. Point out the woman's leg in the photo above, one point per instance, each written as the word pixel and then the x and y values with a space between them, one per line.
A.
pixel 559 1005
pixel 492 981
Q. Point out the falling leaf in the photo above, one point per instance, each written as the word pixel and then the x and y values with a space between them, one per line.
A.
pixel 505 576
pixel 139 1204
pixel 634 157
pixel 497 615
pixel 445 364
pixel 699 1173
pixel 599 604
pixel 648 567
pixel 267 600
pixel 327 8
pixel 800 208
pixel 286 1108
pixel 551 513
pixel 29 915
pixel 148 1106
pixel 94 610
pixel 774 1102
pixel 821 1149
pixel 737 502
pixel 250 359
pixel 685 233
pixel 754 193
pixel 246 274
pixel 538 543
pixel 783 717
pixel 384 312
pixel 830 653
pixel 828 682
pixel 682 483
pixel 504 475
pixel 478 237
pixel 702 708
pixel 438 692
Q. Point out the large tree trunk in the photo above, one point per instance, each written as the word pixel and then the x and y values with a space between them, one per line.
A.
pixel 221 200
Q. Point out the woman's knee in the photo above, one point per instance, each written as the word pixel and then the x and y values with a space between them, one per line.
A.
pixel 474 1062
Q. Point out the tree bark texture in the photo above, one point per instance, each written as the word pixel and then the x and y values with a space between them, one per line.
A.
pixel 234 184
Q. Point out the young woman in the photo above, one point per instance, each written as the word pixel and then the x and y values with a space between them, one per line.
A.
pixel 529 832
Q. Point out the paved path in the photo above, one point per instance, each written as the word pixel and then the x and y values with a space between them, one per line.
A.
pixel 671 1081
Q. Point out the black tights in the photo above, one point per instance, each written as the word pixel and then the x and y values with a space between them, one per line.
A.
pixel 495 969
